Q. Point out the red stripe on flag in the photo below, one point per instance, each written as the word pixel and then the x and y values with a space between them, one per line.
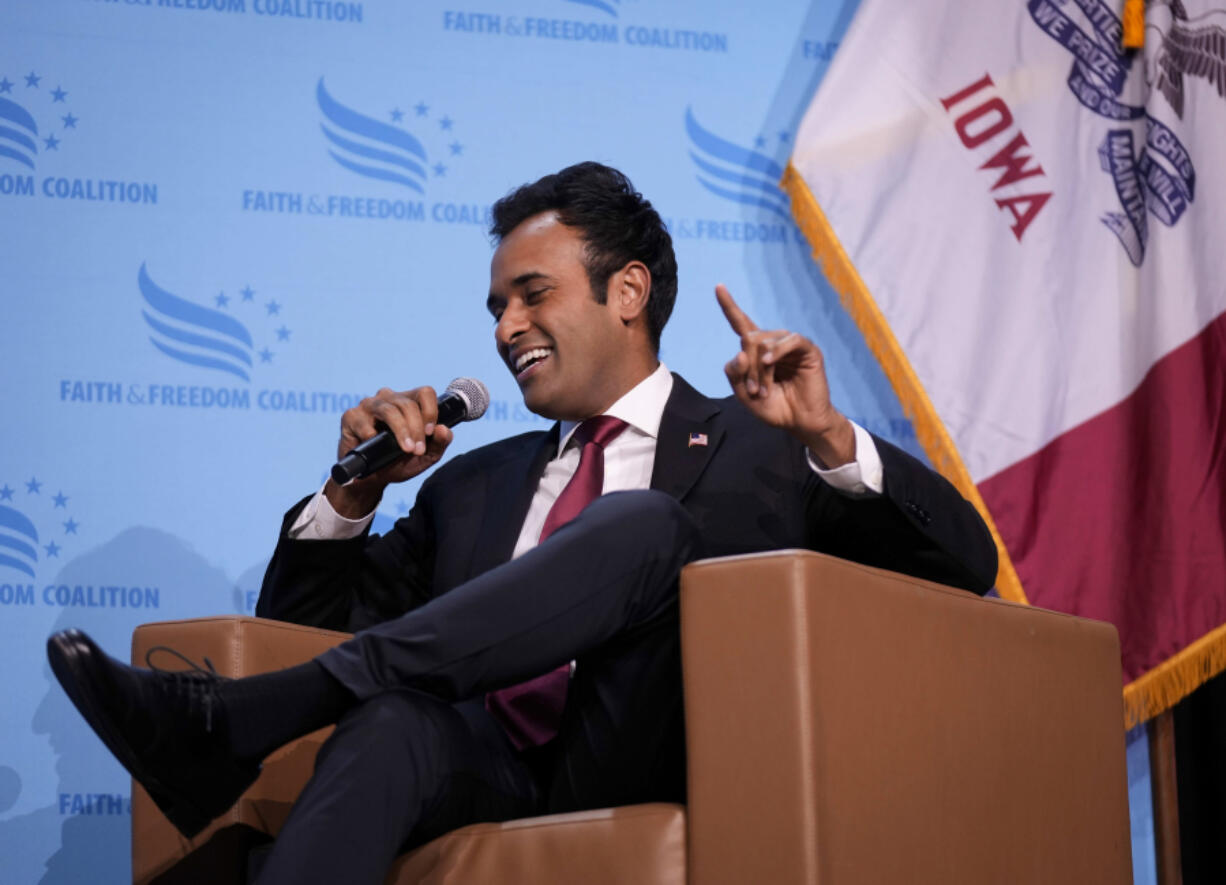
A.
pixel 1123 518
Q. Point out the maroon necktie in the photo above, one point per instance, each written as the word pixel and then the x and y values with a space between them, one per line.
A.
pixel 531 712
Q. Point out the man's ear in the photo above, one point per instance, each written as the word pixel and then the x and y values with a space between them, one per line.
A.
pixel 629 290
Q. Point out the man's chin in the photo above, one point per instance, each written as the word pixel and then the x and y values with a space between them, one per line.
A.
pixel 539 402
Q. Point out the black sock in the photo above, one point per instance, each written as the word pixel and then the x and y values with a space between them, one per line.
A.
pixel 267 711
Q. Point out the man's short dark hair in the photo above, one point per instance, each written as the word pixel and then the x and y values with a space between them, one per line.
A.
pixel 617 225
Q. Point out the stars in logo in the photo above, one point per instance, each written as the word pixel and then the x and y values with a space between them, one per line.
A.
pixel 20 136
pixel 30 526
pixel 445 124
pixel 272 308
pixel 231 332
pixel 760 141
pixel 403 146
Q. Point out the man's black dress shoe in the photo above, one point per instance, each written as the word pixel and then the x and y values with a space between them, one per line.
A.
pixel 167 728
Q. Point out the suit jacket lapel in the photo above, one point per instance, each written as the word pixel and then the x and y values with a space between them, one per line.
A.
pixel 508 495
pixel 678 463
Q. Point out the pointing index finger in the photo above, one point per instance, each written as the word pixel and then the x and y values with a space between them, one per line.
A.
pixel 737 318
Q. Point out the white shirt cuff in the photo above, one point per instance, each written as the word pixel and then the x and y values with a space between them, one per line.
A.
pixel 863 477
pixel 318 521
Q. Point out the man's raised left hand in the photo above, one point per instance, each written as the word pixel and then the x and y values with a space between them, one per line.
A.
pixel 780 376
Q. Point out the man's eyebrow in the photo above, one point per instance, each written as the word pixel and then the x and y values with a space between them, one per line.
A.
pixel 530 276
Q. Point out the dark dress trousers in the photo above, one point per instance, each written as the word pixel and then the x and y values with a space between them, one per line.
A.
pixel 442 616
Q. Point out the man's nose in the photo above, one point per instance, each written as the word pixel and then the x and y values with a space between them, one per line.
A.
pixel 512 324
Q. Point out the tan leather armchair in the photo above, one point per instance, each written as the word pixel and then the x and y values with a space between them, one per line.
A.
pixel 844 725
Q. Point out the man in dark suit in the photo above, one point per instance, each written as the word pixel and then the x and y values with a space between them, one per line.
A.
pixel 550 557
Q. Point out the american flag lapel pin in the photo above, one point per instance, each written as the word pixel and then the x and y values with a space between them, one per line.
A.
pixel 697 439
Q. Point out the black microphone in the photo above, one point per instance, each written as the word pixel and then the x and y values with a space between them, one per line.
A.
pixel 465 399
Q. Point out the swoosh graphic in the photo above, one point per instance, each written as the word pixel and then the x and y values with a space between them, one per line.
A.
pixel 196 359
pixel 376 172
pixel 198 340
pixel 19 546
pixel 14 155
pixel 373 153
pixel 747 199
pixel 17 564
pixel 360 124
pixel 18 522
pixel 193 314
pixel 735 173
pixel 15 113
pixel 20 137
pixel 404 147
pixel 720 149
pixel 768 188
pixel 597 4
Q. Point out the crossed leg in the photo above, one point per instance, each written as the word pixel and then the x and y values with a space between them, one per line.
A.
pixel 418 755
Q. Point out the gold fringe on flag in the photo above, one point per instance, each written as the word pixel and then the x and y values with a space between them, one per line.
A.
pixel 1161 688
pixel 1152 693
pixel 929 429
pixel 1134 24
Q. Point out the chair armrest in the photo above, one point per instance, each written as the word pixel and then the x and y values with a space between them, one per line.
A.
pixel 235 646
pixel 846 724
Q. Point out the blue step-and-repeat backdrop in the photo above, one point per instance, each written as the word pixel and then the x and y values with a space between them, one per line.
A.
pixel 223 222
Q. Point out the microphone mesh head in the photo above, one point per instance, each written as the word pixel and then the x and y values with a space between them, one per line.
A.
pixel 474 393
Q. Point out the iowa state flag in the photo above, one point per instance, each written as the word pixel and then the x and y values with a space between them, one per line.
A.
pixel 1029 225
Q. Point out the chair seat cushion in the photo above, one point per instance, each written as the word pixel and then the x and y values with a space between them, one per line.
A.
pixel 641 844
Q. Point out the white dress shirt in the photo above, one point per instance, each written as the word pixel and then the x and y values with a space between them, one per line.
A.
pixel 628 462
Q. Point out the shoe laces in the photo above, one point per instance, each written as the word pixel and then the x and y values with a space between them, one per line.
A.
pixel 189 681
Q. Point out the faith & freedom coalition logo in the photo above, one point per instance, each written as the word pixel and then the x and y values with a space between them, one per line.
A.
pixel 224 342
pixel 1160 178
pixel 595 28
pixel 212 338
pixel 36 525
pixel 323 11
pixel 396 159
pixel 40 127
pixel 747 177
pixel 40 528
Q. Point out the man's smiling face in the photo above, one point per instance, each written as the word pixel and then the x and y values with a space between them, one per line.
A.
pixel 567 352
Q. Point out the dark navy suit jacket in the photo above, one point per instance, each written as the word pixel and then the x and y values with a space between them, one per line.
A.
pixel 749 488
